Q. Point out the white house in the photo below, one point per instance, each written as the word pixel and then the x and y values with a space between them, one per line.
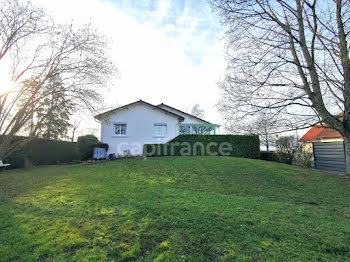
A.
pixel 127 128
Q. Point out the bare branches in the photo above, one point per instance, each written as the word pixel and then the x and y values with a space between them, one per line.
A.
pixel 197 111
pixel 17 23
pixel 261 125
pixel 39 51
pixel 286 60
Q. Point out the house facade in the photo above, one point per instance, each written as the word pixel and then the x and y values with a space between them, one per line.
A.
pixel 319 133
pixel 127 128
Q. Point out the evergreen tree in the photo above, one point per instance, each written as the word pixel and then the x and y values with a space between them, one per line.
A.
pixel 53 116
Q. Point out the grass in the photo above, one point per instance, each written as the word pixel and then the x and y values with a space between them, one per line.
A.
pixel 174 209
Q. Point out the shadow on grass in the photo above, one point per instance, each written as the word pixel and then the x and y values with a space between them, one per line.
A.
pixel 193 209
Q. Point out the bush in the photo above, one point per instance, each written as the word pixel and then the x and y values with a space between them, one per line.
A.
pixel 85 146
pixel 268 156
pixel 39 151
pixel 247 146
pixel 287 144
pixel 286 158
pixel 287 147
pixel 305 159
pixel 301 159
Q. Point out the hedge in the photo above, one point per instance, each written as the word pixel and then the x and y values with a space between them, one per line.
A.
pixel 277 157
pixel 247 146
pixel 85 146
pixel 269 156
pixel 38 151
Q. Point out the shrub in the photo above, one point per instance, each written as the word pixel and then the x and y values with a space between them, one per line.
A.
pixel 268 156
pixel 304 159
pixel 222 145
pixel 39 151
pixel 287 147
pixel 286 158
pixel 299 158
pixel 287 144
pixel 85 146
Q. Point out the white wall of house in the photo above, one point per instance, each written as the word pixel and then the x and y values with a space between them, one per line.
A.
pixel 140 120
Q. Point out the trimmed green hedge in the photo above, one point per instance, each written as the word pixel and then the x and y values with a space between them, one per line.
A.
pixel 277 157
pixel 85 146
pixel 269 156
pixel 38 151
pixel 247 146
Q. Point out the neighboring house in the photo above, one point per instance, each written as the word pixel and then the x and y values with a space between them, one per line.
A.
pixel 127 128
pixel 319 133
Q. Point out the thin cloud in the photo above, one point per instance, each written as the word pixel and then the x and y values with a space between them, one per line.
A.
pixel 165 51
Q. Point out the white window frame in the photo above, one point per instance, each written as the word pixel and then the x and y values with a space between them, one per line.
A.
pixel 115 129
pixel 160 135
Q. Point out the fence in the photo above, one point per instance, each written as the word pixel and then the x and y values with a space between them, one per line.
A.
pixel 329 156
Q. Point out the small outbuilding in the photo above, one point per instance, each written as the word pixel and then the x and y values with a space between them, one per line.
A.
pixel 319 133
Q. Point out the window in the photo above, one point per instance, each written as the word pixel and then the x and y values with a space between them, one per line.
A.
pixel 120 129
pixel 184 130
pixel 160 129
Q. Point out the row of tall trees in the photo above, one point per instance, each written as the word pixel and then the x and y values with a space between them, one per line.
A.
pixel 54 69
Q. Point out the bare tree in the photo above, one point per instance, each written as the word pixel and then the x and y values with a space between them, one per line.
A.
pixel 197 111
pixel 37 51
pixel 287 147
pixel 92 131
pixel 75 126
pixel 288 59
pixel 263 126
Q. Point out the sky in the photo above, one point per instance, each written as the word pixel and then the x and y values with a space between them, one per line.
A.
pixel 165 51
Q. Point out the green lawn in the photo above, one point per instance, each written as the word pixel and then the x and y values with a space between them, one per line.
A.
pixel 174 209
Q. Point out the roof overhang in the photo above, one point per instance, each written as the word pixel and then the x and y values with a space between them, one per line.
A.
pixel 101 115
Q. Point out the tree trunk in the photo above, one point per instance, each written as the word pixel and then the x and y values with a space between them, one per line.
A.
pixel 73 134
pixel 267 145
pixel 347 153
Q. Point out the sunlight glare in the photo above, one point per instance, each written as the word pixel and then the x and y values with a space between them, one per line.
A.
pixel 7 87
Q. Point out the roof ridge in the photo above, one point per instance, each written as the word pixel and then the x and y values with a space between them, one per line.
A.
pixel 184 113
pixel 139 101
pixel 317 132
